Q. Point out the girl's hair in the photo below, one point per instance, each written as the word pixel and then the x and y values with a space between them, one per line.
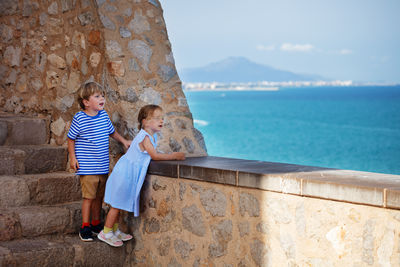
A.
pixel 87 90
pixel 145 112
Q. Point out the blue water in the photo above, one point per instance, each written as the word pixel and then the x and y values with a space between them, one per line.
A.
pixel 356 128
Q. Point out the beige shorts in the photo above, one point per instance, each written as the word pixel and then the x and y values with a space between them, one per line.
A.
pixel 93 185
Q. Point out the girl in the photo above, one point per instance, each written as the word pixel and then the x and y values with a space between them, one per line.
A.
pixel 124 184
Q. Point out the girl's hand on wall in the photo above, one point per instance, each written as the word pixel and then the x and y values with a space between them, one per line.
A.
pixel 179 155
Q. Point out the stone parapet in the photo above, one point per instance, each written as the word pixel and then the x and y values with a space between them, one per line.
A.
pixel 376 189
pixel 212 211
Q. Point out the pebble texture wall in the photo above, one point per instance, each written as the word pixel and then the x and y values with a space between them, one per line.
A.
pixel 48 48
pixel 194 223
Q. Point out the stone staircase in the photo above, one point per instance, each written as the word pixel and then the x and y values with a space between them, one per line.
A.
pixel 40 202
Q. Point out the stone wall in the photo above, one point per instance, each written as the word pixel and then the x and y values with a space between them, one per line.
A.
pixel 48 48
pixel 196 223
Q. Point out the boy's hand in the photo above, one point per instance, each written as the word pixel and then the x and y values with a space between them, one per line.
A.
pixel 127 144
pixel 179 155
pixel 73 163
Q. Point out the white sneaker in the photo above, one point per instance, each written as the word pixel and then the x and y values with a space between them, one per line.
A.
pixel 122 236
pixel 110 239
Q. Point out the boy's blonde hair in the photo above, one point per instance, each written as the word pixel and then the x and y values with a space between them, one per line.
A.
pixel 87 90
pixel 146 112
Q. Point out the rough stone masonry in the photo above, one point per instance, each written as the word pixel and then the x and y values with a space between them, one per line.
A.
pixel 48 48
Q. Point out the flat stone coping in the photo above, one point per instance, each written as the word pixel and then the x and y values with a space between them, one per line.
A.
pixel 375 189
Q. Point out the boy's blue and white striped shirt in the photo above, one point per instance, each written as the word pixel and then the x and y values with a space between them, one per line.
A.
pixel 91 135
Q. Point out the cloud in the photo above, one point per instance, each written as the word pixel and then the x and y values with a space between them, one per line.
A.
pixel 345 52
pixel 297 47
pixel 266 47
pixel 379 59
pixel 289 47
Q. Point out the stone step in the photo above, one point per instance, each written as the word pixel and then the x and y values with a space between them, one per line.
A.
pixel 39 189
pixel 64 250
pixel 23 130
pixel 12 161
pixel 32 221
pixel 32 159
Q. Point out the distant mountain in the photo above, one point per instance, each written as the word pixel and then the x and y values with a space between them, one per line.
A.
pixel 240 69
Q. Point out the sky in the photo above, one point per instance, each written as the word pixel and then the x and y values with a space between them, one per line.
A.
pixel 356 40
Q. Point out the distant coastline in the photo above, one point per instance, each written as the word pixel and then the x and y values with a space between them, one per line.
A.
pixel 271 86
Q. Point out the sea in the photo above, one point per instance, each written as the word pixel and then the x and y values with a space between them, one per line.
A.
pixel 352 127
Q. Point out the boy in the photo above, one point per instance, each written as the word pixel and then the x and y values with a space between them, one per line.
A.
pixel 88 144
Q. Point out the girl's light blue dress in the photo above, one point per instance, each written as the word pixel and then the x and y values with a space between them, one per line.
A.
pixel 126 180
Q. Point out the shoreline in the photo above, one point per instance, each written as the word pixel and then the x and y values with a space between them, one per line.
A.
pixel 277 88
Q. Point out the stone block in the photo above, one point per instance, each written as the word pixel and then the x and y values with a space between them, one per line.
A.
pixel 10 227
pixel 113 49
pixel 75 216
pixel 67 5
pixel 244 228
pixel 153 2
pixel 36 252
pixel 57 61
pixel 249 204
pixel 25 131
pixel 199 138
pixel 58 126
pixel 139 24
pixel 222 235
pixel 164 168
pixel 116 68
pixel 142 52
pixel 207 174
pixel 271 182
pixel 278 208
pixel 192 220
pixel 183 248
pixel 13 192
pixel 260 253
pixel 32 221
pixel 188 145
pixel 163 246
pixel 12 56
pixel 53 188
pixel 151 96
pixel 53 8
pixel 343 192
pixel 93 253
pixel 94 59
pixel 86 18
pixel 61 251
pixel 166 72
pixel 44 158
pixel 151 226
pixel 214 201
pixel 33 189
pixel 107 22
pixel 124 32
pixel 94 37
pixel 37 220
pixel 174 145
pixel 393 198
pixel 8 7
pixel 158 185
pixel 12 161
